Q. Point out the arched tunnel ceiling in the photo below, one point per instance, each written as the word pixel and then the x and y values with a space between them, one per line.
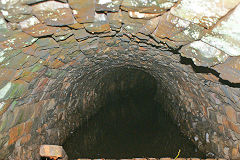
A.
pixel 205 31
pixel 46 46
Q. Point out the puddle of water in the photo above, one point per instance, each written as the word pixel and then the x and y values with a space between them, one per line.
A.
pixel 128 128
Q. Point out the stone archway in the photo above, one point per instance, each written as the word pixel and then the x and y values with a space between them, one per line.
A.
pixel 51 50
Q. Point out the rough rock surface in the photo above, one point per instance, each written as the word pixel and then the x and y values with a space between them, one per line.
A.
pixel 52 52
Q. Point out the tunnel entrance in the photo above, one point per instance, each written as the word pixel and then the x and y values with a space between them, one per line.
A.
pixel 129 123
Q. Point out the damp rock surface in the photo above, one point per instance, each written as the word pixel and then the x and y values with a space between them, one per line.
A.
pixel 54 53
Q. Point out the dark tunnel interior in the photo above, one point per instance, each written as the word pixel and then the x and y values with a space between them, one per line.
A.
pixel 129 123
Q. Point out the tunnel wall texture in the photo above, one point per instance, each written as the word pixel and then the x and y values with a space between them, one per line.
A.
pixel 53 54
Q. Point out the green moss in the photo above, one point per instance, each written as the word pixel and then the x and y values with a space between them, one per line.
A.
pixel 17 90
pixel 37 67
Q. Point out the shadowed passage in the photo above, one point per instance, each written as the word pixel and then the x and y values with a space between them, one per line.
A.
pixel 130 123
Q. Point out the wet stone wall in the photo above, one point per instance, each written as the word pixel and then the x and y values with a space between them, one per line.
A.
pixel 54 53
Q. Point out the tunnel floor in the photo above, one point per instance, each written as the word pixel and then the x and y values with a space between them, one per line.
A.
pixel 129 127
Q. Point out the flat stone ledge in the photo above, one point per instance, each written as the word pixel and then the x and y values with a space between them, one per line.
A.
pixel 53 152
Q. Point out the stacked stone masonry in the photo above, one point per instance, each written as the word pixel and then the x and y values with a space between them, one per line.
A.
pixel 52 54
pixel 158 159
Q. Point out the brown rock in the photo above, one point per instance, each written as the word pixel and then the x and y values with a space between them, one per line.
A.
pixel 52 151
pixel 212 78
pixel 15 133
pixel 5 79
pixel 125 38
pixel 53 13
pixel 76 25
pixel 108 34
pixel 221 128
pixel 35 28
pixel 225 122
pixel 203 54
pixel 234 127
pixel 235 153
pixel 26 76
pixel 142 36
pixel 100 24
pixel 89 43
pixel 151 26
pixel 170 25
pixel 153 6
pixel 62 33
pixel 70 45
pixel 82 34
pixel 97 27
pixel 231 113
pixel 131 25
pixel 205 111
pixel 230 69
pixel 19 61
pixel 28 127
pixel 56 64
pixel 109 5
pixel 25 139
pixel 15 12
pixel 46 43
pixel 30 49
pixel 18 40
pixel 84 10
pixel 115 20
pixel 192 33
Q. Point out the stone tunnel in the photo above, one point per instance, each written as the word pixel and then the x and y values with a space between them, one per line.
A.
pixel 56 58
